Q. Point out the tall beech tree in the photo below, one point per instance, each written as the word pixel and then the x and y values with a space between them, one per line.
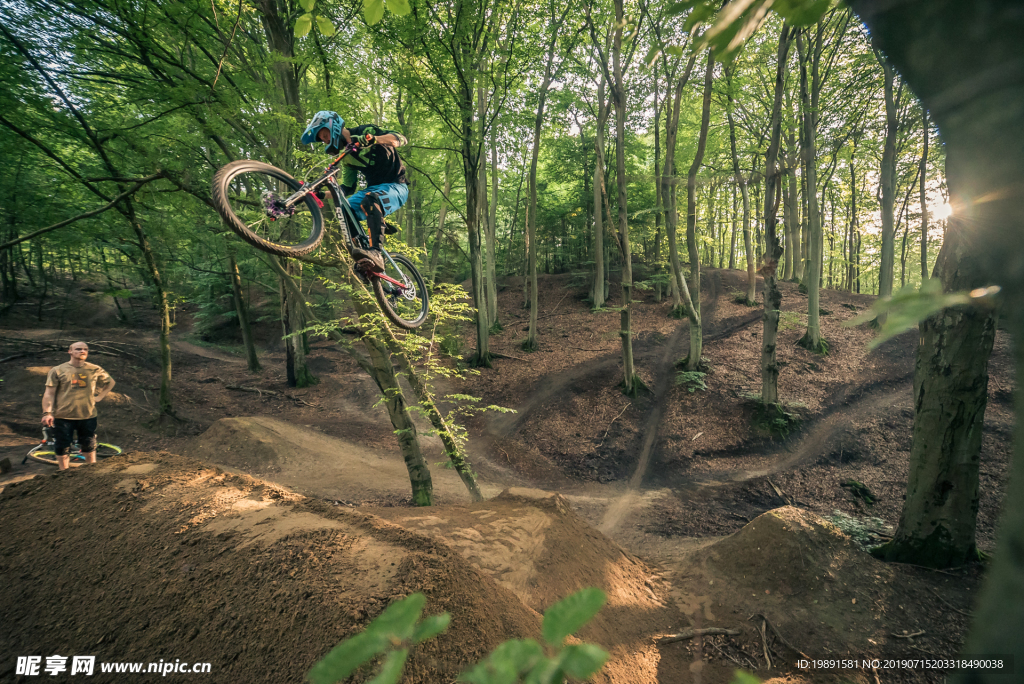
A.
pixel 773 248
pixel 693 313
pixel 556 17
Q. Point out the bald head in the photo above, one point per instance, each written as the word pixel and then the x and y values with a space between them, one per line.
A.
pixel 79 352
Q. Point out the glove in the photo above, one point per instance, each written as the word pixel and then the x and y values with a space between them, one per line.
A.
pixel 369 139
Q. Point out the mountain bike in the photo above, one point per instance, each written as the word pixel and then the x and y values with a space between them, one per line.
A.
pixel 44 451
pixel 278 214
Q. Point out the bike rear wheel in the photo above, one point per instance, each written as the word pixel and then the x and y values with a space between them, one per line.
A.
pixel 44 453
pixel 249 194
pixel 406 307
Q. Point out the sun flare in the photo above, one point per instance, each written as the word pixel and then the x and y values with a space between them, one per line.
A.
pixel 942 211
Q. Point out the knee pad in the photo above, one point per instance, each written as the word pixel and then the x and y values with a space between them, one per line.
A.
pixel 369 204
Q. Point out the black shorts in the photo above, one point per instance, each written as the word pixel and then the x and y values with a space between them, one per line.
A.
pixel 63 428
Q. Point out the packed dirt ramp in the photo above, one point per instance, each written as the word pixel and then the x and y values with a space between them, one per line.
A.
pixel 156 556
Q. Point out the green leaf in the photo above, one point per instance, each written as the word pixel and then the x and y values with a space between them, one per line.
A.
pixel 506 663
pixel 652 55
pixel 700 13
pixel 570 614
pixel 373 11
pixel 391 670
pixel 395 624
pixel 399 619
pixel 303 24
pixel 674 50
pixel 431 627
pixel 741 677
pixel 399 7
pixel 801 12
pixel 325 26
pixel 909 306
pixel 676 8
pixel 346 657
pixel 307 5
pixel 582 660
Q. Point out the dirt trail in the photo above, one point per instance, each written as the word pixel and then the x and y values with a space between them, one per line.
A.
pixel 673 351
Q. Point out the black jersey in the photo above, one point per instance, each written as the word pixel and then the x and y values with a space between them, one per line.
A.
pixel 378 163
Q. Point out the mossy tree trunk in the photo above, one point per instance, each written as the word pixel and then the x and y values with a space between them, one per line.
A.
pixel 773 249
pixel 937 526
pixel 243 314
pixel 293 320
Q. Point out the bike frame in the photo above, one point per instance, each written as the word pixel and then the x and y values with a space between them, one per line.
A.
pixel 346 216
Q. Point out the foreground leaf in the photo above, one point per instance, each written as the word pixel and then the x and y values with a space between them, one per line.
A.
pixel 393 626
pixel 909 306
pixel 325 26
pixel 570 614
pixel 582 660
pixel 373 11
pixel 399 7
pixel 303 24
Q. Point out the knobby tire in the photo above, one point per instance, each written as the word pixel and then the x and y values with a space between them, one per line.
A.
pixel 404 313
pixel 260 173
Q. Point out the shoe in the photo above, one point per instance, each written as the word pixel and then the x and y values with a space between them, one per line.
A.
pixel 369 259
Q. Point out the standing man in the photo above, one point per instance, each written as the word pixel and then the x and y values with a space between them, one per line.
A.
pixel 69 403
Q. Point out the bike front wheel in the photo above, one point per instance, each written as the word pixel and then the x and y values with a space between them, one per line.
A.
pixel 407 305
pixel 249 196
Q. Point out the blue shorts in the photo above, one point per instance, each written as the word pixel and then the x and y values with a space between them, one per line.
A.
pixel 391 196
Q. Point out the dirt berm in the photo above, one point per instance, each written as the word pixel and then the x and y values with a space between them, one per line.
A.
pixel 155 556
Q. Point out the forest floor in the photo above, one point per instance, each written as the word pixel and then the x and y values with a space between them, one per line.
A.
pixel 265 525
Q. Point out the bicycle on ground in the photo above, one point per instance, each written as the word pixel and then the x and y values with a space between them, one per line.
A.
pixel 44 451
pixel 278 214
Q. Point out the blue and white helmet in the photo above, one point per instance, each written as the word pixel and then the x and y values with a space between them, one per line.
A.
pixel 329 120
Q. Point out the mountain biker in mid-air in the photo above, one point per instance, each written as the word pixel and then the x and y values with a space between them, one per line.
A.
pixel 373 152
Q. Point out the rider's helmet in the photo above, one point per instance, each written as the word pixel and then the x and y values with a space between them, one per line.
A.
pixel 329 120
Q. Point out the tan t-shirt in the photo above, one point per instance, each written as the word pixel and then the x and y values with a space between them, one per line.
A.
pixel 76 388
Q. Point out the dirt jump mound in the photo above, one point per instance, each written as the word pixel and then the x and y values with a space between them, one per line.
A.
pixel 152 557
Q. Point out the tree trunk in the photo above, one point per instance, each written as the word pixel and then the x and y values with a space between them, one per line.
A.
pixel 955 55
pixel 682 304
pixel 773 250
pixel 472 151
pixel 598 293
pixel 441 214
pixel 292 321
pixel 732 239
pixel 937 527
pixel 243 314
pixel 888 187
pixel 924 203
pixel 383 374
pixel 166 405
pixel 696 329
pixel 631 381
pixel 492 228
pixel 531 339
pixel 812 339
